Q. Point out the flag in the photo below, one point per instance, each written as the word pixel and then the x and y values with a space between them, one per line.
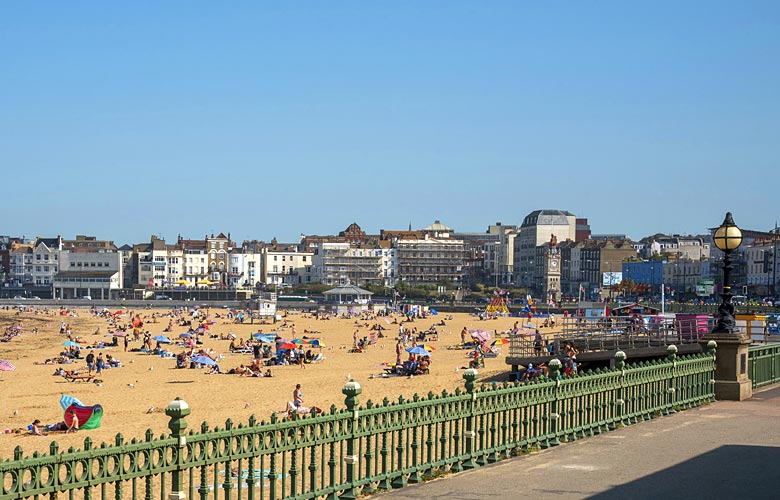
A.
pixel 582 289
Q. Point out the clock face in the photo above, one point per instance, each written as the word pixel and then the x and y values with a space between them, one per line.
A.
pixel 553 264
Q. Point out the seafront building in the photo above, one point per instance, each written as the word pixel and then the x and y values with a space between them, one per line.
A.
pixel 537 228
pixel 585 265
pixel 89 267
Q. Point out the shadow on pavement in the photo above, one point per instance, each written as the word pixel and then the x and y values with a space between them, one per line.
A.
pixel 726 472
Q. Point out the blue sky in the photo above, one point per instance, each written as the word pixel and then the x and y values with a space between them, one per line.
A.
pixel 126 119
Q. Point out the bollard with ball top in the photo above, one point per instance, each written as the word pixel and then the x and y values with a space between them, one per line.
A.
pixel 177 410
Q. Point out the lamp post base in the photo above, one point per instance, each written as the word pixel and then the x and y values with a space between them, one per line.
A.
pixel 731 376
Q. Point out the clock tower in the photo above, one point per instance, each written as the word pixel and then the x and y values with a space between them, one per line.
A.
pixel 552 271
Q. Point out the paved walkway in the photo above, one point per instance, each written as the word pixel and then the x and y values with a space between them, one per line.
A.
pixel 722 450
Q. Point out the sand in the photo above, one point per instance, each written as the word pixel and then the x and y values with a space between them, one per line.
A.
pixel 134 396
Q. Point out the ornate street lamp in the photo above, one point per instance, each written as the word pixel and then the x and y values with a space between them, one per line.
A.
pixel 728 237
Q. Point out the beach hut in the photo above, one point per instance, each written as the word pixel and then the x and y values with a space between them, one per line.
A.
pixel 348 298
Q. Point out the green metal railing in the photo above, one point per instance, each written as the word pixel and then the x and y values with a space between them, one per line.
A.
pixel 360 449
pixel 764 364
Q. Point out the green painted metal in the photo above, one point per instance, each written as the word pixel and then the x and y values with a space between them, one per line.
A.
pixel 764 364
pixel 361 449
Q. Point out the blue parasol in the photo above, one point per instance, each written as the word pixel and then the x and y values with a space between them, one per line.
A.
pixel 203 360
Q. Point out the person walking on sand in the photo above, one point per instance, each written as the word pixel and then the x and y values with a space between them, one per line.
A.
pixel 100 364
pixel 90 359
pixel 297 396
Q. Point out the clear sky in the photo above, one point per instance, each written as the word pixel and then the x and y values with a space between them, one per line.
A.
pixel 126 119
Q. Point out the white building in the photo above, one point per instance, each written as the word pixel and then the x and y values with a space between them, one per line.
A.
pixel 500 255
pixel 285 265
pixel 95 274
pixel 46 254
pixel 389 266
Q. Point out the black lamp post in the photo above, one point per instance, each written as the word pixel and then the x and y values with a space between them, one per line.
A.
pixel 728 237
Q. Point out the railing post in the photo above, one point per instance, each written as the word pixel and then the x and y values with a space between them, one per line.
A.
pixel 351 390
pixel 712 348
pixel 671 356
pixel 620 402
pixel 177 409
pixel 470 376
pixel 555 367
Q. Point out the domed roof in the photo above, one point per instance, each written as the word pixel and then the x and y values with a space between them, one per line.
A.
pixel 438 226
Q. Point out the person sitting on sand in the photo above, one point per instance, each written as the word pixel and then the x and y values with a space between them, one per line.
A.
pixel 35 428
pixel 74 422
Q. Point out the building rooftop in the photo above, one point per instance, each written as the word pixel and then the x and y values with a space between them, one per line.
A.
pixel 547 217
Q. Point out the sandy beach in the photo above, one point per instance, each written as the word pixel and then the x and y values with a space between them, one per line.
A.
pixel 134 396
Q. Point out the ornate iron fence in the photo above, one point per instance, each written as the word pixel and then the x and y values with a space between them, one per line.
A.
pixel 764 364
pixel 359 449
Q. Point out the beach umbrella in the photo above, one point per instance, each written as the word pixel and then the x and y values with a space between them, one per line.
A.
pixel 6 366
pixel 264 337
pixel 434 312
pixel 427 347
pixel 203 360
pixel 185 335
pixel 183 282
pixel 500 342
pixel 287 345
pixel 162 338
pixel 317 343
pixel 529 325
pixel 418 351
pixel 297 341
pixel 70 343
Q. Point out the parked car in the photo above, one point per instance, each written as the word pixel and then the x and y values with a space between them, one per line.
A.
pixel 162 297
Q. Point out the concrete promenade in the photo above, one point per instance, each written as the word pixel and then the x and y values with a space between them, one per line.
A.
pixel 722 450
